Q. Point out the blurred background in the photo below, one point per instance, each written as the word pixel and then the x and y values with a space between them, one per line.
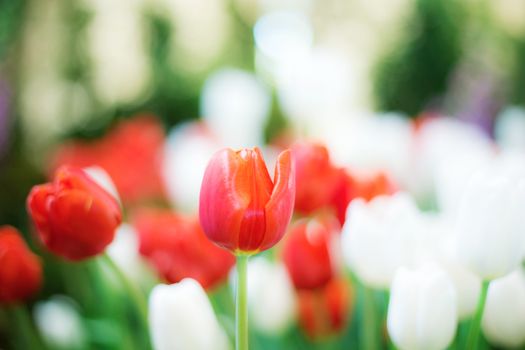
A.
pixel 115 82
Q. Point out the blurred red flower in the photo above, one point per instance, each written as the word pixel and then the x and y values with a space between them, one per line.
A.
pixel 20 269
pixel 131 154
pixel 325 311
pixel 352 185
pixel 177 247
pixel 75 218
pixel 316 177
pixel 307 252
pixel 241 208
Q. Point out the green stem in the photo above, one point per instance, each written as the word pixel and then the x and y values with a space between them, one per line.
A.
pixel 136 295
pixel 473 336
pixel 27 333
pixel 369 329
pixel 241 310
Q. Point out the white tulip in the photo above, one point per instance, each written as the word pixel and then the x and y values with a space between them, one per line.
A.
pixel 59 323
pixel 187 151
pixel 235 105
pixel 490 223
pixel 504 316
pixel 181 317
pixel 380 236
pixel 271 297
pixel 422 309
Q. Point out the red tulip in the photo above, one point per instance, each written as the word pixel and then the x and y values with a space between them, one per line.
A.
pixel 20 269
pixel 177 247
pixel 324 312
pixel 241 208
pixel 317 178
pixel 130 153
pixel 307 252
pixel 74 217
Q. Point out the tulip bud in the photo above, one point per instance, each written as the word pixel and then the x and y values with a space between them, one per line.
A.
pixel 20 269
pixel 241 209
pixel 379 237
pixel 177 247
pixel 307 252
pixel 504 315
pixel 271 298
pixel 422 309
pixel 75 218
pixel 490 222
pixel 181 318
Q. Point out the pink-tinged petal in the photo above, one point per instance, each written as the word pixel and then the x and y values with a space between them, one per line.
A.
pixel 222 206
pixel 280 206
pixel 81 224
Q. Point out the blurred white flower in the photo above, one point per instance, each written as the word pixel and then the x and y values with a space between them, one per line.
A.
pixel 271 297
pixel 422 309
pixel 380 236
pixel 450 149
pixel 375 143
pixel 124 251
pixel 102 178
pixel 436 243
pixel 181 317
pixel 115 41
pixel 490 222
pixel 59 323
pixel 235 105
pixel 510 129
pixel 504 316
pixel 187 151
pixel 281 37
pixel 318 86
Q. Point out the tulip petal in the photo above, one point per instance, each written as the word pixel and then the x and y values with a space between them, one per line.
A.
pixel 280 206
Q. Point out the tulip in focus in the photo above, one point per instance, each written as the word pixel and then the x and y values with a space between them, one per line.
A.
pixel 490 222
pixel 308 252
pixel 241 208
pixel 74 217
pixel 181 318
pixel 177 247
pixel 504 316
pixel 422 309
pixel 20 269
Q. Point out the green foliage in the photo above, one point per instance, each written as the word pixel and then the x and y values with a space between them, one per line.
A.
pixel 416 70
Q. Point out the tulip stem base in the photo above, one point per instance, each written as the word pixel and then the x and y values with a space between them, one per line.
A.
pixel 369 330
pixel 241 308
pixel 28 335
pixel 473 336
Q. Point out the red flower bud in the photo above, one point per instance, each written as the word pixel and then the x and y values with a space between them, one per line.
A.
pixel 307 252
pixel 74 217
pixel 20 269
pixel 241 208
pixel 177 247
pixel 324 312
pixel 317 178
